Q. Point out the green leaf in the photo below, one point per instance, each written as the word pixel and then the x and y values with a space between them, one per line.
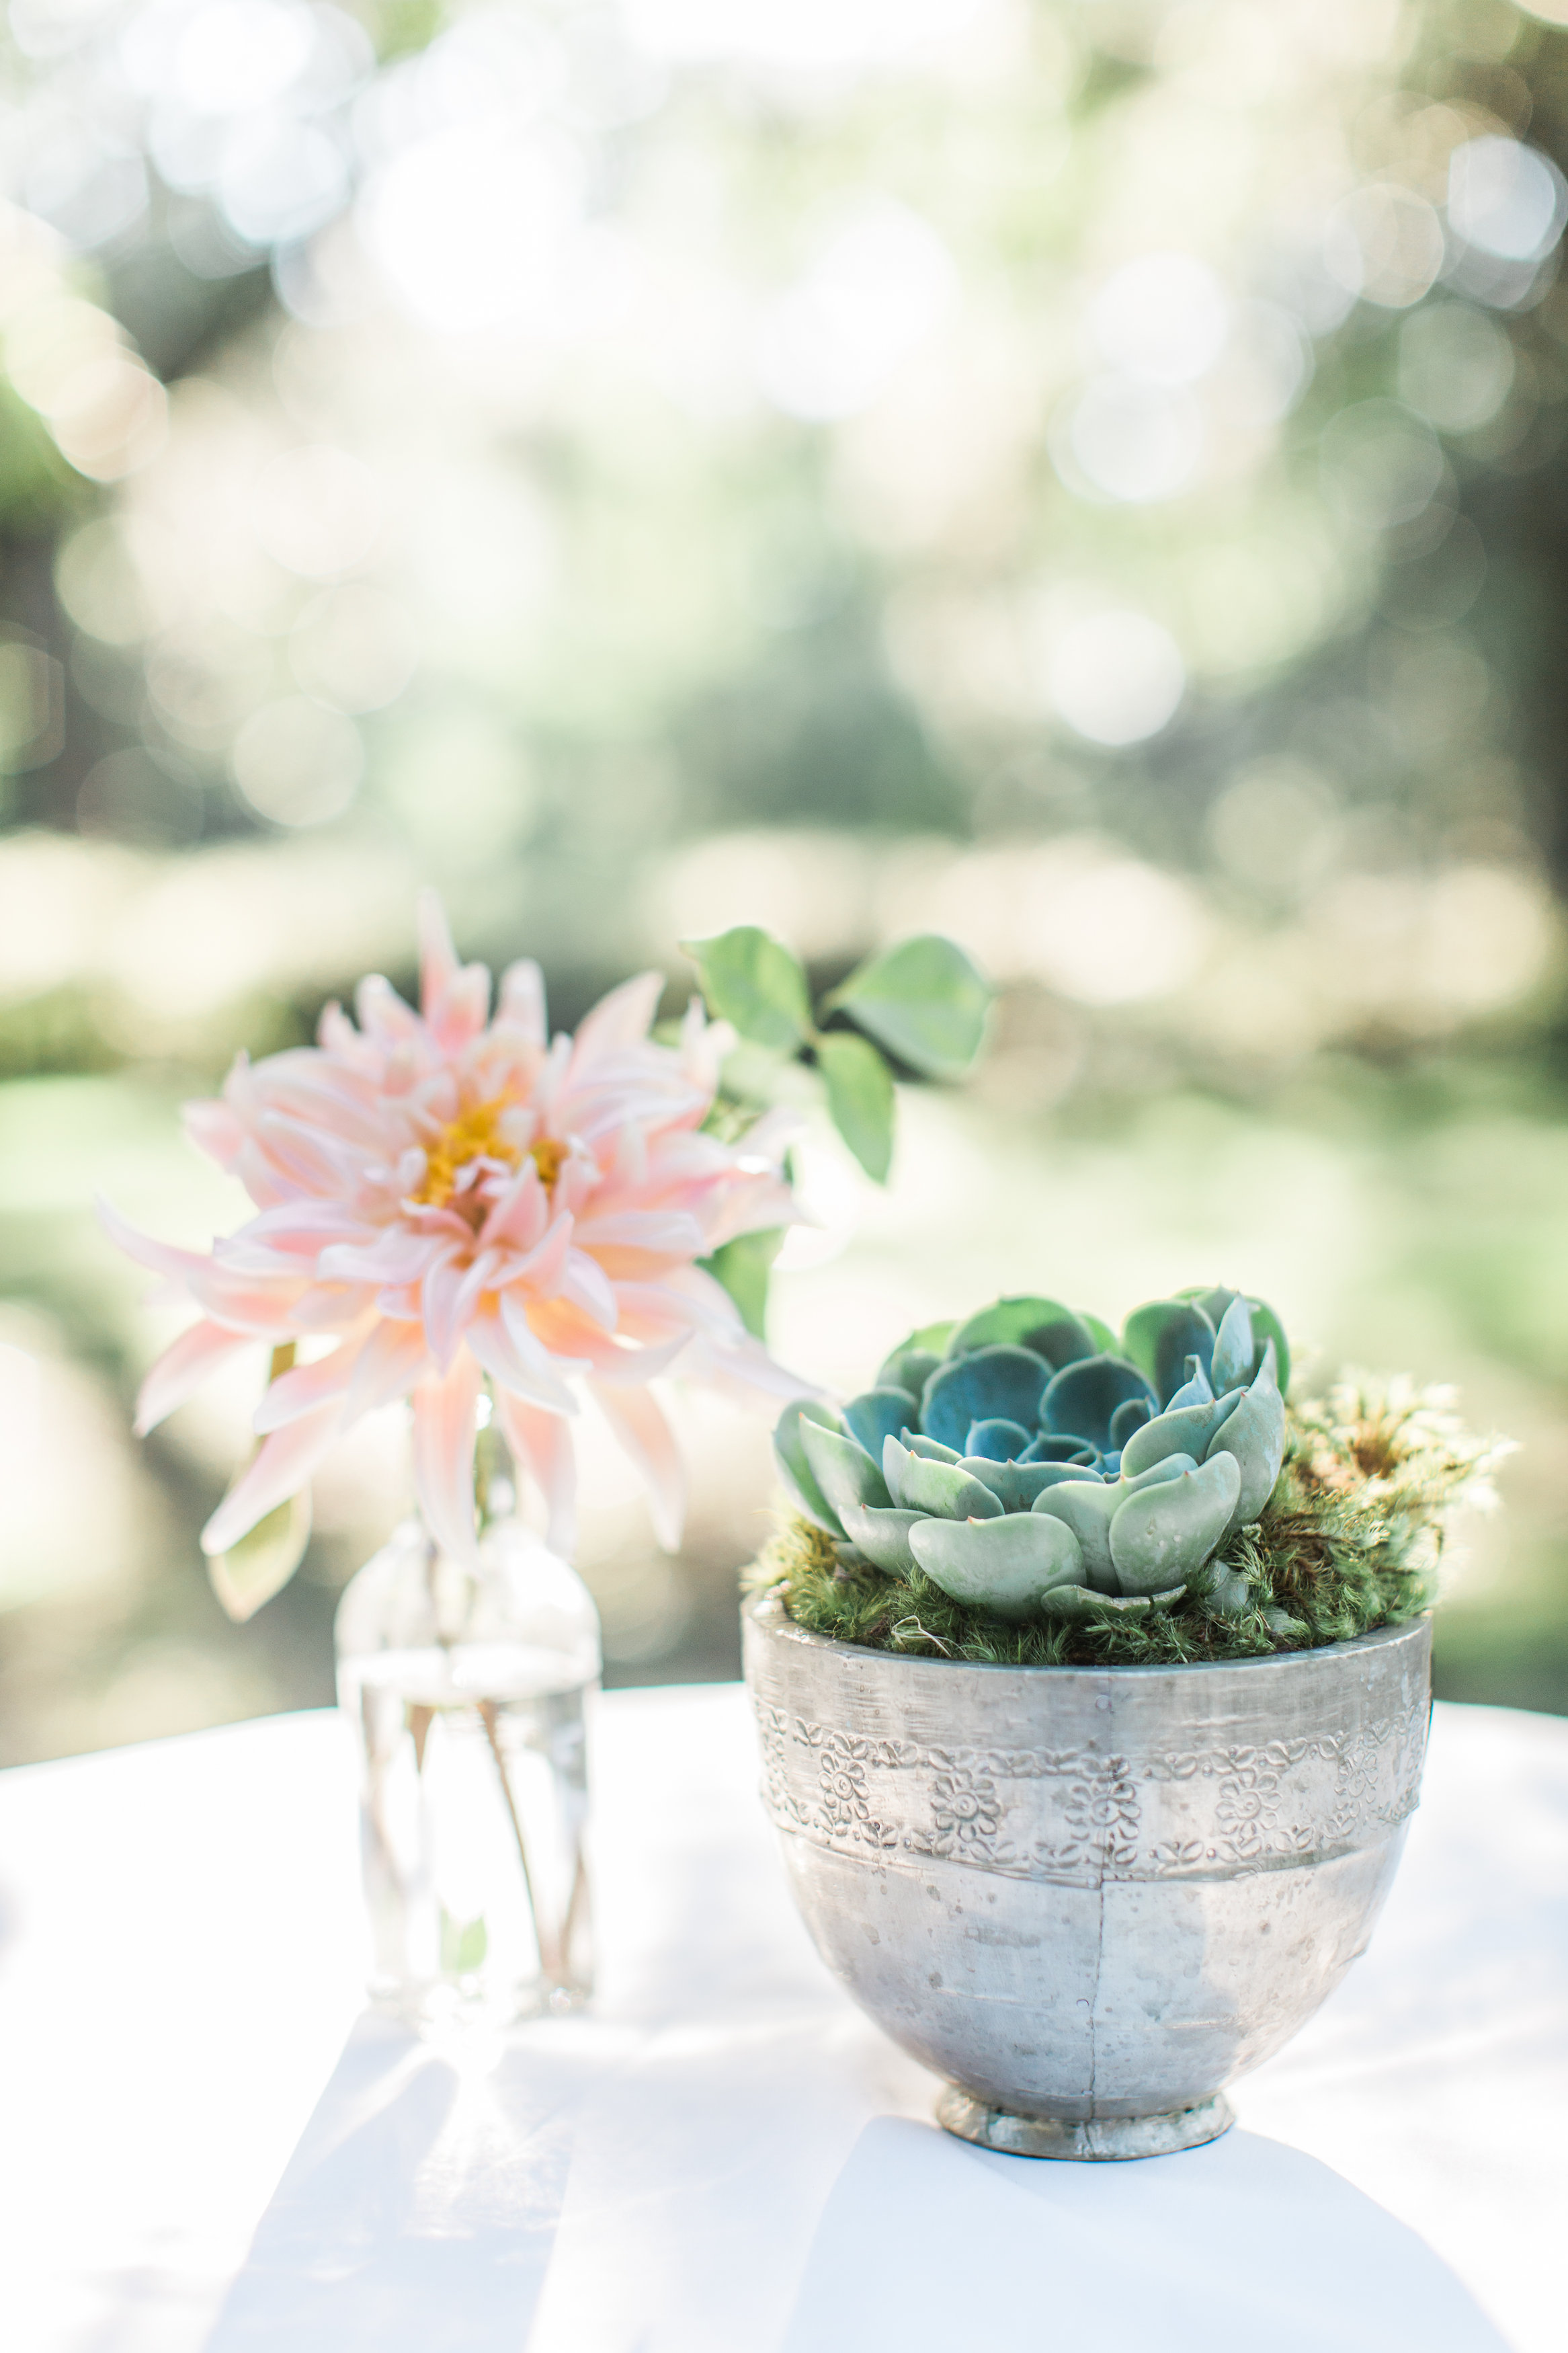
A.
pixel 860 1098
pixel 924 1001
pixel 743 1266
pixel 263 1560
pixel 464 1944
pixel 749 978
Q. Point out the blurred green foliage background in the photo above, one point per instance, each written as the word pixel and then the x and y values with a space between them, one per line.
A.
pixel 1088 479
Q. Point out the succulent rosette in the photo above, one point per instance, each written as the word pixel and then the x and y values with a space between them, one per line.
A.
pixel 1032 1463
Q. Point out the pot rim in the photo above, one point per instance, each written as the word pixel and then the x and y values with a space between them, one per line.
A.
pixel 778 1624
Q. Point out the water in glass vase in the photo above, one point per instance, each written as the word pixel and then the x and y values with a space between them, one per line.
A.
pixel 467 1691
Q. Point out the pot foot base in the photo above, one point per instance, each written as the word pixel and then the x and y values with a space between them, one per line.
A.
pixel 1109 2140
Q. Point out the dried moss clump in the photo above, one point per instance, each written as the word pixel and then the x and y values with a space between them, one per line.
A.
pixel 1350 1539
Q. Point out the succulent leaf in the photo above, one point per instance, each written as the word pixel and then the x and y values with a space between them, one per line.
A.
pixel 930 1340
pixel 1224 1590
pixel 844 1470
pixel 1180 1429
pixel 908 1368
pixel 1160 1338
pixel 1215 1301
pixel 1233 1348
pixel 991 1382
pixel 1005 1564
pixel 945 1490
pixel 1087 1507
pixel 1043 1326
pixel 1164 1532
pixel 1253 1435
pixel 1106 1343
pixel 998 1439
pixel 1016 1485
pixel 883 1536
pixel 1130 1415
pixel 876 1414
pixel 1196 1389
pixel 932 1448
pixel 1080 1607
pixel 1171 1467
pixel 800 1481
pixel 1081 1397
pixel 1048 1448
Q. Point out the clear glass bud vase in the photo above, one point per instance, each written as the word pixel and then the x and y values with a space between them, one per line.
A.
pixel 467 1691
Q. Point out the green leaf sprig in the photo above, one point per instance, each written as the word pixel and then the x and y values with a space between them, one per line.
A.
pixel 920 1002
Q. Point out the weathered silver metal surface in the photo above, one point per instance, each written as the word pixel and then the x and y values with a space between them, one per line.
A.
pixel 1111 2141
pixel 1086 1894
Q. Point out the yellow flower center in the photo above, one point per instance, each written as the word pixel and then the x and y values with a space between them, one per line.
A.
pixel 475 1135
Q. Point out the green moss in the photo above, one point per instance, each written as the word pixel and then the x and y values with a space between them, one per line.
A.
pixel 1349 1540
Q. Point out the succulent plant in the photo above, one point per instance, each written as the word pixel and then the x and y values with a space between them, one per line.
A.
pixel 1032 1463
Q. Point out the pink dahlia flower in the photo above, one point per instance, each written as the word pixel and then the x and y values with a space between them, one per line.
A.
pixel 452 1196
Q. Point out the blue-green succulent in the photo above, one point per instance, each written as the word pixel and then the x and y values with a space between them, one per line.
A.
pixel 1032 1463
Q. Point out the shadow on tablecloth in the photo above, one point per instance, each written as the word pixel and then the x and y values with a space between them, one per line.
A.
pixel 1244 2246
pixel 419 2208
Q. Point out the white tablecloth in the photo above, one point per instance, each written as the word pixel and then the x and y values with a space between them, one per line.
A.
pixel 200 2146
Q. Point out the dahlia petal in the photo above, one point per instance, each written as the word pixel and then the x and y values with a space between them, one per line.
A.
pixel 629 1167
pixel 540 1446
pixel 213 1128
pixel 650 1313
pixel 703 1046
pixel 328 1307
pixel 438 965
pixel 444 1432
pixel 400 1304
pixel 522 1001
pixel 439 1294
pixel 750 1205
pixel 261 1180
pixel 539 1268
pixel 389 1363
pixel 579 1179
pixel 631 1367
pixel 644 1436
pixel 244 1303
pixel 599 1109
pixel 454 999
pixel 280 1469
pixel 621 1018
pixel 305 1387
pixel 706 1297
pixel 381 1013
pixel 668 1233
pixel 741 1369
pixel 321 1163
pixel 520 1212
pixel 517 1313
pixel 162 1258
pixel 309 1223
pixel 586 1284
pixel 276 1241
pixel 527 1373
pixel 399 1254
pixel 183 1368
pixel 463 1011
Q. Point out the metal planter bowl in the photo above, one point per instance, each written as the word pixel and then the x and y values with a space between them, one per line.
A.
pixel 1090 1897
